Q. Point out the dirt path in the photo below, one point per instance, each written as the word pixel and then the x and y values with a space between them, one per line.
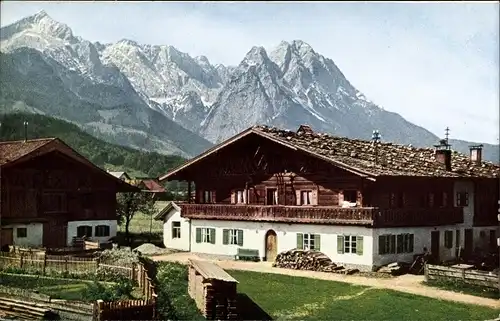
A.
pixel 405 283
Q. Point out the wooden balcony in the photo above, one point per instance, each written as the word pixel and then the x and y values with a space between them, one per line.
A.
pixel 367 216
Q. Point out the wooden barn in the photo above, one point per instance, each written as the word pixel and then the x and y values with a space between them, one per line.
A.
pixel 50 194
pixel 363 203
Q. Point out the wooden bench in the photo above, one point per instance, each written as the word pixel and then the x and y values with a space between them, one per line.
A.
pixel 247 254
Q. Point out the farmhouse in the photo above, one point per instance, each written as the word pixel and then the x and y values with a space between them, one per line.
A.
pixel 362 203
pixel 50 194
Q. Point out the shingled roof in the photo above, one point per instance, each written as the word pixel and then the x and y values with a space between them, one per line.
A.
pixel 360 155
pixel 13 150
pixel 392 160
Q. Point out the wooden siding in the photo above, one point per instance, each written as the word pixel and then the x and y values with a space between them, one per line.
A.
pixel 55 189
pixel 485 202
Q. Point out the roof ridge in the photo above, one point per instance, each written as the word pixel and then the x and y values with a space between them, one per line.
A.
pixel 48 139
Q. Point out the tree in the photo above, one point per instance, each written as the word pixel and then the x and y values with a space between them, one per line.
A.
pixel 129 204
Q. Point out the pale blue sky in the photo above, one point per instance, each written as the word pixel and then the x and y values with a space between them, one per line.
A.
pixel 436 64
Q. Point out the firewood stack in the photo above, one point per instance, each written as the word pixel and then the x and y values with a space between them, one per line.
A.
pixel 305 260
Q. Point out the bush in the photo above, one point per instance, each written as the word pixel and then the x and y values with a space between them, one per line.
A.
pixel 174 302
pixel 99 291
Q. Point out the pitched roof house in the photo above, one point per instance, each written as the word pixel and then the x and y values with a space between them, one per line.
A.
pixel 49 193
pixel 363 203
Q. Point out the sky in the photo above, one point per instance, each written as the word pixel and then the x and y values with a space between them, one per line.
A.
pixel 436 64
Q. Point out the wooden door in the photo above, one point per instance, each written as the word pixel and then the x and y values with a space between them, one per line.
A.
pixel 6 238
pixel 468 243
pixel 435 246
pixel 271 246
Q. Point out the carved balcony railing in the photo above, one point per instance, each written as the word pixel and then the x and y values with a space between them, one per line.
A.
pixel 370 216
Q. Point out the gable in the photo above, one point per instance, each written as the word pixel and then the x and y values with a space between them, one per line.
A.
pixel 253 153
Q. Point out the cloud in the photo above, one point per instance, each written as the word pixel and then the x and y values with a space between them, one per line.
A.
pixel 436 64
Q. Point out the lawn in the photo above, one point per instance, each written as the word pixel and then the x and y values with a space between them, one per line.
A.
pixel 285 298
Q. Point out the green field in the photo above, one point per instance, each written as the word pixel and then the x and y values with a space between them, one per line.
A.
pixel 297 298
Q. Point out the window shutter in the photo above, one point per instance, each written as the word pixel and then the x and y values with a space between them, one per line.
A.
pixel 212 235
pixel 233 197
pixel 340 244
pixel 300 241
pixel 213 198
pixel 399 243
pixel 317 242
pixel 298 200
pixel 240 237
pixel 359 245
pixel 411 243
pixel 225 236
pixel 393 244
pixel 381 245
pixel 198 235
pixel 314 197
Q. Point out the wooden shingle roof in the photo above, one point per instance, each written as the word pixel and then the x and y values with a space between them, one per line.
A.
pixel 361 156
pixel 13 150
pixel 392 159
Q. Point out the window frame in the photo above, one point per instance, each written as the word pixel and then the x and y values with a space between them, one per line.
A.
pixel 87 228
pixel 24 234
pixel 242 193
pixel 309 194
pixel 308 241
pixel 176 230
pixel 205 235
pixel 348 192
pixel 350 242
pixel 107 229
pixel 462 199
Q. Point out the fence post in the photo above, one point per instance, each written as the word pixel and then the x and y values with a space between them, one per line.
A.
pixel 66 263
pixel 97 264
pixel 44 263
pixel 21 259
pixel 426 272
pixel 463 275
pixel 132 272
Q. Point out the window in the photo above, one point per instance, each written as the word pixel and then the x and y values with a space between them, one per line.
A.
pixel 208 197
pixel 53 202
pixel 176 230
pixel 457 238
pixel 462 199
pixel 350 244
pixel 306 241
pixel 392 244
pixel 392 200
pixel 404 243
pixel 444 200
pixel 101 230
pixel 241 197
pixel 271 196
pixel 22 232
pixel 350 196
pixel 448 239
pixel 387 244
pixel 430 199
pixel 84 230
pixel 205 235
pixel 232 236
pixel 401 200
pixel 305 197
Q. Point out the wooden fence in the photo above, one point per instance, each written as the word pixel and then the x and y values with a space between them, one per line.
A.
pixel 453 273
pixel 116 310
pixel 125 310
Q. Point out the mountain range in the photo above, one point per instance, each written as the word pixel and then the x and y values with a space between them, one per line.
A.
pixel 156 97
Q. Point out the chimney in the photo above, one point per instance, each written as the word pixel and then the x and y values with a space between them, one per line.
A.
pixel 305 129
pixel 25 131
pixel 375 143
pixel 443 153
pixel 476 153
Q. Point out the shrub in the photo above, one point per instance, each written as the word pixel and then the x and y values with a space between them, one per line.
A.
pixel 174 302
pixel 99 291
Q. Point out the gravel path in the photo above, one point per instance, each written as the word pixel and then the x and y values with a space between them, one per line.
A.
pixel 405 283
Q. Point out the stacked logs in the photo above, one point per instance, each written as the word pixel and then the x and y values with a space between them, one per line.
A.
pixel 308 260
pixel 26 311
